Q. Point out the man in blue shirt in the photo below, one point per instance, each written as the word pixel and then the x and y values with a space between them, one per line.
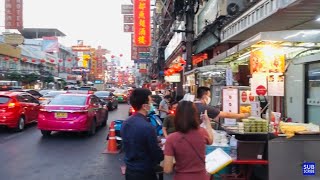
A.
pixel 142 152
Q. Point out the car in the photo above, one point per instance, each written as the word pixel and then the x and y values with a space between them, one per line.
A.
pixel 122 96
pixel 46 98
pixel 45 91
pixel 88 88
pixel 33 92
pixel 18 109
pixel 109 98
pixel 73 112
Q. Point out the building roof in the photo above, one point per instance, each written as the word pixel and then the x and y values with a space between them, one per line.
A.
pixel 34 33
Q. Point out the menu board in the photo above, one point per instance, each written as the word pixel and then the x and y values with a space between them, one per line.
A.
pixel 276 84
pixel 267 60
pixel 230 103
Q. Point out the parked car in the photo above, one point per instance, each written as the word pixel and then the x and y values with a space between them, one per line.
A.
pixel 45 91
pixel 33 92
pixel 88 88
pixel 50 95
pixel 109 98
pixel 18 109
pixel 122 96
pixel 73 112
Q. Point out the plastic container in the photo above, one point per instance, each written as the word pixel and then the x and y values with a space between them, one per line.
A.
pixel 225 170
pixel 233 145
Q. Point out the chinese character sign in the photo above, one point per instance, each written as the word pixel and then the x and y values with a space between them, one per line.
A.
pixel 141 16
pixel 13 14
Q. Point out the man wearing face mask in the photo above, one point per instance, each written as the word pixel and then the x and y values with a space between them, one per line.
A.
pixel 202 104
pixel 142 152
pixel 164 107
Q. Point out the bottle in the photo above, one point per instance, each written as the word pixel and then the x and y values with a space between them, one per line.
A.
pixel 233 146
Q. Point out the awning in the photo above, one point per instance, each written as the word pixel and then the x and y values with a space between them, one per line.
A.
pixel 292 40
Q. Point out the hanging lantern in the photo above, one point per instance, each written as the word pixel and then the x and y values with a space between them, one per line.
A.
pixel 112 56
pixel 6 58
pixel 78 59
pixel 52 60
pixel 60 60
pixel 33 60
pixel 69 59
pixel 15 59
pixel 121 55
pixel 24 59
pixel 42 60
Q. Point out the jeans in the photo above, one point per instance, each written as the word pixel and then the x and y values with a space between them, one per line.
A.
pixel 138 175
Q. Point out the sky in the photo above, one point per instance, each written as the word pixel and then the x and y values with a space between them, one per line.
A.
pixel 96 22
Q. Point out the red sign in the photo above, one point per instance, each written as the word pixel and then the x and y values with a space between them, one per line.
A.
pixel 136 50
pixel 251 98
pixel 261 90
pixel 127 27
pixel 13 14
pixel 142 36
pixel 244 96
pixel 143 71
pixel 199 58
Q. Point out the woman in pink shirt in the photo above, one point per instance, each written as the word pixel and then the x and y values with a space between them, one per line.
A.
pixel 187 145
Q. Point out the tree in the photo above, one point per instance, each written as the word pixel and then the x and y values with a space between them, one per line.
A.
pixel 13 76
pixel 30 78
pixel 49 79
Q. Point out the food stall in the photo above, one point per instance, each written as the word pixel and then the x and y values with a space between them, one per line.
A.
pixel 263 139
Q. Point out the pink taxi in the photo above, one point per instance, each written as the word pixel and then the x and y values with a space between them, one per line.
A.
pixel 73 112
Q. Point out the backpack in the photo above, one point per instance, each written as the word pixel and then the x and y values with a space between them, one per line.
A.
pixel 156 122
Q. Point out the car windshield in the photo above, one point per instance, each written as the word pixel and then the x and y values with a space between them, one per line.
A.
pixel 4 100
pixel 53 93
pixel 85 88
pixel 69 100
pixel 43 92
pixel 102 93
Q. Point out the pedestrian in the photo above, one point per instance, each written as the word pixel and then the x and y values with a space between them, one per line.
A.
pixel 187 145
pixel 164 107
pixel 202 103
pixel 168 122
pixel 142 151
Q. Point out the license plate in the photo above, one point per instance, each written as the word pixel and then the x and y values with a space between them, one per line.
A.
pixel 61 115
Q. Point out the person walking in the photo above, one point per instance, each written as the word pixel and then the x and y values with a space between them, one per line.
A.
pixel 142 151
pixel 187 146
pixel 168 122
pixel 202 103
pixel 164 107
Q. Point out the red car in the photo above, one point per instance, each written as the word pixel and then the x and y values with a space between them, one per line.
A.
pixel 18 109
pixel 73 112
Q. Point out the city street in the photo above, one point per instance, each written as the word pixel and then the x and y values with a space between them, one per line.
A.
pixel 64 156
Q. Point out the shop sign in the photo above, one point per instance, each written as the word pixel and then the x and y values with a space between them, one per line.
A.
pixel 126 9
pixel 259 84
pixel 128 18
pixel 135 50
pixel 261 90
pixel 7 50
pixel 13 14
pixel 80 48
pixel 173 44
pixel 13 39
pixel 199 58
pixel 173 78
pixel 142 36
pixel 276 84
pixel 244 96
pixel 98 82
pixel 128 28
pixel 267 60
pixel 144 71
pixel 230 103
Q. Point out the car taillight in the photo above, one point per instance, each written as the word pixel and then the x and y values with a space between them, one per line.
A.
pixel 132 110
pixel 171 112
pixel 12 105
pixel 41 98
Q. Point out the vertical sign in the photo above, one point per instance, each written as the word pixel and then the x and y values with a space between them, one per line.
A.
pixel 141 16
pixel 13 14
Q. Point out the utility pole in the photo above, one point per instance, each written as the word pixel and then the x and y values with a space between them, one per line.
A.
pixel 189 33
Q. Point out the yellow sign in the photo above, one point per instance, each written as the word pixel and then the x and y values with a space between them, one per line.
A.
pixel 11 51
pixel 85 58
pixel 13 39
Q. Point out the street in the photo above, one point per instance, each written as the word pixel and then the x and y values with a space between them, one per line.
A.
pixel 64 156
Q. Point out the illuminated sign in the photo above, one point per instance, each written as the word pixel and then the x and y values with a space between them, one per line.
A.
pixel 141 16
pixel 13 14
pixel 81 48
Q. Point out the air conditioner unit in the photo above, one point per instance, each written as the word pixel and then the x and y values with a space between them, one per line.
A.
pixel 234 7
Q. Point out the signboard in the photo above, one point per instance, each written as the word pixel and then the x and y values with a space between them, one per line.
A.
pixel 13 39
pixel 173 78
pixel 144 55
pixel 136 50
pixel 8 50
pixel 267 60
pixel 144 71
pixel 259 84
pixel 126 9
pixel 142 61
pixel 50 44
pixel 173 44
pixel 13 14
pixel 276 84
pixel 142 36
pixel 230 104
pixel 81 48
pixel 128 18
pixel 128 28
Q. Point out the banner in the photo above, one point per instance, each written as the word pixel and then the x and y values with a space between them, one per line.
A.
pixel 50 44
pixel 13 14
pixel 142 36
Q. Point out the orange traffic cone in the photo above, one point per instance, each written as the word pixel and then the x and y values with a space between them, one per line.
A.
pixel 112 142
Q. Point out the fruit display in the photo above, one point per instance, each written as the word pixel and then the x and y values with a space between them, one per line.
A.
pixel 245 109
pixel 255 125
pixel 291 128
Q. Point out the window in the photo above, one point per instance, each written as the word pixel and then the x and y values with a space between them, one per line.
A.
pixel 4 99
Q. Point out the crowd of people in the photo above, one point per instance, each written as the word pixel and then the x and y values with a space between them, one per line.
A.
pixel 187 131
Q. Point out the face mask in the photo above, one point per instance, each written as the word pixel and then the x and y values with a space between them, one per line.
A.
pixel 208 100
pixel 152 108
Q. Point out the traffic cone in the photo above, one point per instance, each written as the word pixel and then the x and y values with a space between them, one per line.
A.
pixel 112 142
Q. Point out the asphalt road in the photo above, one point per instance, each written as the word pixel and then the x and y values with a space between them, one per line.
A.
pixel 64 156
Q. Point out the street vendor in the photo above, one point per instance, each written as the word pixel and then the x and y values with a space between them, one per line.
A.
pixel 202 103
